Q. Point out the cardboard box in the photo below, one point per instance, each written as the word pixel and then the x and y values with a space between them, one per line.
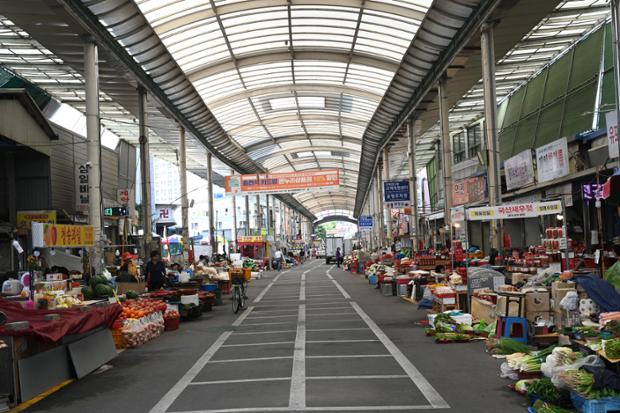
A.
pixel 518 277
pixel 137 287
pixel 537 301
pixel 534 316
pixel 513 310
pixel 506 288
pixel 482 310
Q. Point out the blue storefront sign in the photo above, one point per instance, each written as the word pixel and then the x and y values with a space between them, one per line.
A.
pixel 396 194
pixel 365 222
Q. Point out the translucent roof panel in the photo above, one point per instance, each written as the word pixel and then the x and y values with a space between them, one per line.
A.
pixel 291 82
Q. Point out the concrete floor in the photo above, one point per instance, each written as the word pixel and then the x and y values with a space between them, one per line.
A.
pixel 315 338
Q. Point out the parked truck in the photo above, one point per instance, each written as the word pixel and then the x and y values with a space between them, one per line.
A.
pixel 348 246
pixel 331 245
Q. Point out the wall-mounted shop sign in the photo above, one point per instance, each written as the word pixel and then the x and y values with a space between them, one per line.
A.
pixel 365 223
pixel 115 212
pixel 123 196
pixel 552 160
pixel 25 219
pixel 612 134
pixel 82 181
pixel 519 170
pixel 469 190
pixel 58 235
pixel 250 239
pixel 511 211
pixel 164 215
pixel 278 183
pixel 396 194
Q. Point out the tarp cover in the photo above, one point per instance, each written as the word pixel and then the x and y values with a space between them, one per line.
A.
pixel 71 321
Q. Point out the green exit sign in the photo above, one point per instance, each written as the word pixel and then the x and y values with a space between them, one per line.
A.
pixel 115 212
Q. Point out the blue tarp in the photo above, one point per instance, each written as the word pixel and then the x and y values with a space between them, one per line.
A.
pixel 601 292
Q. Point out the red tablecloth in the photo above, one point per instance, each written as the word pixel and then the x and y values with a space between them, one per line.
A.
pixel 71 321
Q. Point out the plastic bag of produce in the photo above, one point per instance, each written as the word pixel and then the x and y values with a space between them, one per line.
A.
pixel 612 275
pixel 506 372
pixel 570 301
pixel 588 361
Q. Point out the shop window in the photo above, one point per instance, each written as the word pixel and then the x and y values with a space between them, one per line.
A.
pixel 474 140
pixel 458 147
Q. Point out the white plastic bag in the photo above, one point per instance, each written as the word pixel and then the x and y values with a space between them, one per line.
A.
pixel 506 372
pixel 590 361
pixel 570 301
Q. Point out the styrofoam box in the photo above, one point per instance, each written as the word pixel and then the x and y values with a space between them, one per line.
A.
pixel 461 319
pixel 190 299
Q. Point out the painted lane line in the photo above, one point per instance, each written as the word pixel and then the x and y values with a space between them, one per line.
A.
pixel 268 287
pixel 251 359
pixel 202 383
pixel 272 316
pixel 259 311
pixel 348 307
pixel 250 333
pixel 268 324
pixel 271 343
pixel 387 376
pixel 328 273
pixel 164 404
pixel 339 341
pixel 271 300
pixel 340 320
pixel 343 312
pixel 433 397
pixel 350 356
pixel 331 302
pixel 339 329
pixel 242 317
pixel 297 395
pixel 313 409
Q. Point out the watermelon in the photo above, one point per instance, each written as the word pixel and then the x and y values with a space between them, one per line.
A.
pixel 103 291
pixel 97 279
pixel 88 293
pixel 131 295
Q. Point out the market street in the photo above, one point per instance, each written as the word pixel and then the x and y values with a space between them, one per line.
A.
pixel 313 339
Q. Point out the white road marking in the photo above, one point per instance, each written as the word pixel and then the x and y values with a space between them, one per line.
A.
pixel 268 287
pixel 331 302
pixel 340 341
pixel 268 324
pixel 251 359
pixel 349 356
pixel 164 404
pixel 348 307
pixel 313 409
pixel 292 310
pixel 387 376
pixel 297 395
pixel 433 397
pixel 271 343
pixel 271 300
pixel 339 329
pixel 250 333
pixel 242 317
pixel 272 316
pixel 340 320
pixel 202 383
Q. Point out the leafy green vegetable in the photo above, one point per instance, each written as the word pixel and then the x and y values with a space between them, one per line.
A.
pixel 452 337
pixel 508 346
pixel 546 391
pixel 612 348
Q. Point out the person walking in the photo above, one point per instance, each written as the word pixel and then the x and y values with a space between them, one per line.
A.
pixel 155 272
pixel 338 257
pixel 278 257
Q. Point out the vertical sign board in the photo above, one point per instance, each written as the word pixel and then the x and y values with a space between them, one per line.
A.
pixel 519 170
pixel 123 197
pixel 365 223
pixel 612 133
pixel 81 188
pixel 396 194
pixel 552 160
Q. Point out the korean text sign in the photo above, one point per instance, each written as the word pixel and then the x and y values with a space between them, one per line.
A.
pixel 519 170
pixel 396 194
pixel 365 222
pixel 512 211
pixel 552 160
pixel 59 235
pixel 274 183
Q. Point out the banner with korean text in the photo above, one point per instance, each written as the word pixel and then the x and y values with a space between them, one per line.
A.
pixel 60 235
pixel 552 160
pixel 278 183
pixel 365 223
pixel 469 190
pixel 519 170
pixel 512 211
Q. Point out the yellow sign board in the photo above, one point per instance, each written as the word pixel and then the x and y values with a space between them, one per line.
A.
pixel 251 238
pixel 26 218
pixel 59 235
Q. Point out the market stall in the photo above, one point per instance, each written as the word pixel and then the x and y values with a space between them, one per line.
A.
pixel 254 247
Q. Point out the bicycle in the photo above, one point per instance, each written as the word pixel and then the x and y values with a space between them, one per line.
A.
pixel 238 294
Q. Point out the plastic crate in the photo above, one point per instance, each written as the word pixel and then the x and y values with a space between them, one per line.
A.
pixel 372 279
pixel 171 324
pixel 606 405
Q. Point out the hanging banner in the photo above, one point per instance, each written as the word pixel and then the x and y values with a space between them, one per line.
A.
pixel 469 191
pixel 26 218
pixel 519 170
pixel 278 183
pixel 82 176
pixel 511 211
pixel 396 194
pixel 552 160
pixel 365 223
pixel 612 133
pixel 457 214
pixel 59 235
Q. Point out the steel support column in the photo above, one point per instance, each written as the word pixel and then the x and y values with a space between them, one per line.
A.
pixel 145 171
pixel 446 151
pixel 381 217
pixel 247 215
pixel 234 205
pixel 183 182
pixel 212 235
pixel 615 25
pixel 490 120
pixel 388 211
pixel 93 134
pixel 413 130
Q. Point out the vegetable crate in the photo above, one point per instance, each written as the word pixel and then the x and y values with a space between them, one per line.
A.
pixel 171 324
pixel 605 405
